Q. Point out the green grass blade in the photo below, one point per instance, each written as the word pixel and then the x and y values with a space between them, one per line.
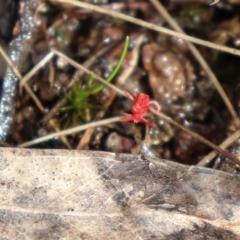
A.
pixel 116 69
pixel 90 80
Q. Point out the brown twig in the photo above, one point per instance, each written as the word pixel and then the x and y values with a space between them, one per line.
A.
pixel 151 26
pixel 71 131
pixel 208 158
pixel 81 67
pixel 200 138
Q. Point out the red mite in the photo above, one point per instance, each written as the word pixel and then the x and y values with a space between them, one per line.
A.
pixel 139 109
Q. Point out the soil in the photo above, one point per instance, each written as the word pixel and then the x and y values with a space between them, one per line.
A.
pixel 156 64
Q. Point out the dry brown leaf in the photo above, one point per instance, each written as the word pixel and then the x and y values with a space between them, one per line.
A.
pixel 61 194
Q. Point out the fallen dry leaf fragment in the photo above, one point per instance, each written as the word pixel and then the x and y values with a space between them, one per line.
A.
pixel 53 194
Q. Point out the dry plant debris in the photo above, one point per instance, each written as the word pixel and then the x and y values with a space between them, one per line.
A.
pixel 54 194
